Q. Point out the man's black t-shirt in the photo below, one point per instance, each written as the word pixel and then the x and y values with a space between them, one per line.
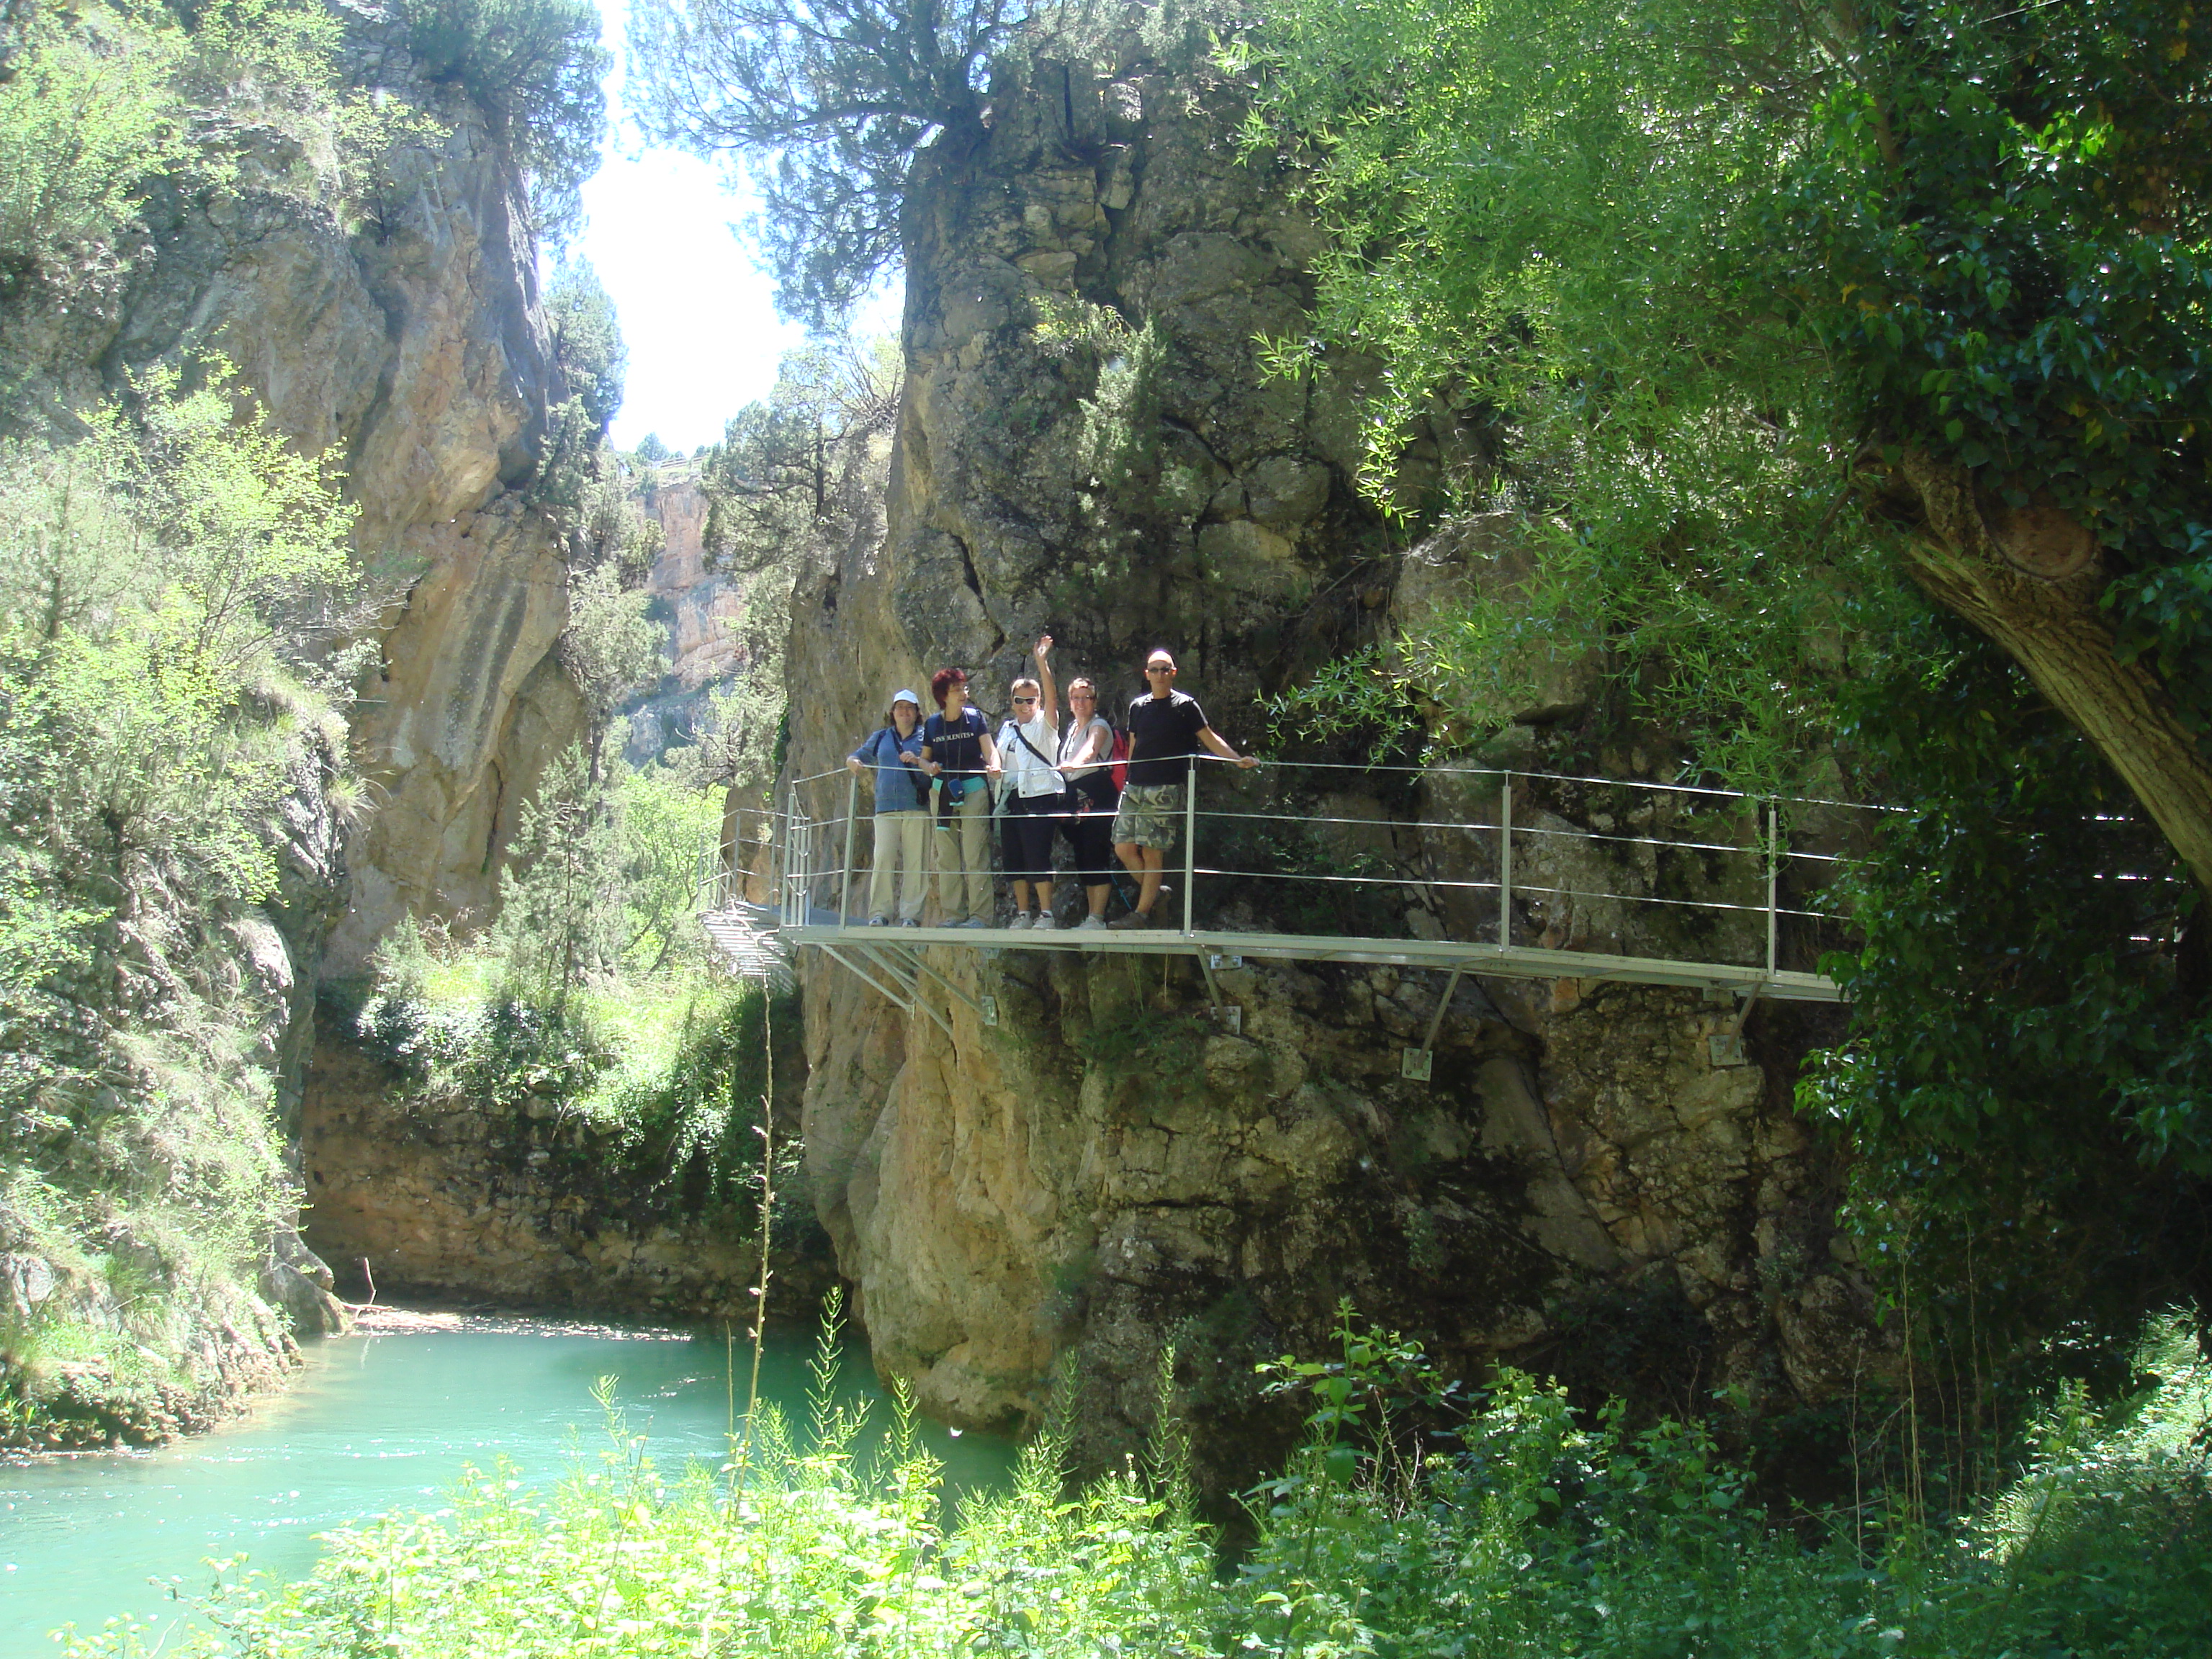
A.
pixel 1163 736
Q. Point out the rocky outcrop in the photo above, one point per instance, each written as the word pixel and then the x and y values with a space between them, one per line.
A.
pixel 703 609
pixel 398 337
pixel 404 345
pixel 1588 1183
pixel 532 1207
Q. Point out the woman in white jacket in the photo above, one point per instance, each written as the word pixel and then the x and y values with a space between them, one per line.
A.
pixel 1028 743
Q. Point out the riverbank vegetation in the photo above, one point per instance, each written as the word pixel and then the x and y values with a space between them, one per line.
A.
pixel 183 617
pixel 173 780
pixel 1399 1528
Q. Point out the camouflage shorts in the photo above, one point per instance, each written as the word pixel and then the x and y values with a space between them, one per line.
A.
pixel 1148 815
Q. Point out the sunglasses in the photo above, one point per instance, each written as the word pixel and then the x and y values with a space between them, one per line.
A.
pixel 1154 668
pixel 1018 701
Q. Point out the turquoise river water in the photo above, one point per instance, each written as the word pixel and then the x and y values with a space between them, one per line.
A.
pixel 372 1423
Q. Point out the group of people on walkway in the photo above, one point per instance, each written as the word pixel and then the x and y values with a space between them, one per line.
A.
pixel 943 779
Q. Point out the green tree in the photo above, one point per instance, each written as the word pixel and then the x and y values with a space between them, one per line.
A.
pixel 88 112
pixel 170 737
pixel 823 104
pixel 535 69
pixel 784 470
pixel 1942 261
pixel 1762 315
pixel 587 341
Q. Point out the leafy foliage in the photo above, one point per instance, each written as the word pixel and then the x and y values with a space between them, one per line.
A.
pixel 172 583
pixel 1709 272
pixel 2025 1081
pixel 534 68
pixel 794 480
pixel 824 103
pixel 1528 1531
pixel 668 1070
pixel 587 341
pixel 88 112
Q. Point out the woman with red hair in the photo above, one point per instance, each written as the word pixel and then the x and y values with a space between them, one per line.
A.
pixel 956 750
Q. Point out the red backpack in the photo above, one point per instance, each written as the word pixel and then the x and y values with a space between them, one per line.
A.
pixel 1119 756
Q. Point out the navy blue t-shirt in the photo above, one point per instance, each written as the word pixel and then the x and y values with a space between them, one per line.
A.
pixel 956 745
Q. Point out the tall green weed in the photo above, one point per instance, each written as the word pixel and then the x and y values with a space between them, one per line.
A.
pixel 1526 1531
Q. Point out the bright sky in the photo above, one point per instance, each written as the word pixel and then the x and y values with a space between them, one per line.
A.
pixel 698 318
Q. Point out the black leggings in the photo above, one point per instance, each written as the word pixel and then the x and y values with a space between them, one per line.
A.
pixel 1025 838
pixel 1090 838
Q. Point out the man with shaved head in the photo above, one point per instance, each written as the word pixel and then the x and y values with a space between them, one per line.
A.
pixel 1164 725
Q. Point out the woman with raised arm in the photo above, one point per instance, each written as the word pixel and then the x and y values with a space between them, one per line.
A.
pixel 956 751
pixel 1029 743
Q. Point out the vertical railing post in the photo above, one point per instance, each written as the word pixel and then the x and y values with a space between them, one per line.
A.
pixel 1505 863
pixel 775 844
pixel 852 822
pixel 1189 839
pixel 1773 867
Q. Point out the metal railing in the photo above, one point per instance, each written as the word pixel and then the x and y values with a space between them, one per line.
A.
pixel 1650 865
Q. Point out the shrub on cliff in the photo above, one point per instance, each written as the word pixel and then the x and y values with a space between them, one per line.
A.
pixel 170 745
pixel 534 68
pixel 1528 1533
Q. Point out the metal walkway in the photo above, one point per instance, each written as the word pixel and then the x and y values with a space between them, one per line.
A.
pixel 1747 895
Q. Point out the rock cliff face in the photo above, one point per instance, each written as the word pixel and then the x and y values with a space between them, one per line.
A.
pixel 527 1207
pixel 1106 1169
pixel 702 609
pixel 410 351
pixel 405 346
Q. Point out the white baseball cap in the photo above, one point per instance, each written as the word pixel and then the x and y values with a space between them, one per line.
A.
pixel 898 697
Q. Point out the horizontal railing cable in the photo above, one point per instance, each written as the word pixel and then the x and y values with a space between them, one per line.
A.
pixel 1302 818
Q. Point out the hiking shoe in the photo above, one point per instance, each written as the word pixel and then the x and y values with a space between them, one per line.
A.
pixel 973 921
pixel 1044 922
pixel 879 921
pixel 1134 920
pixel 1020 923
pixel 1089 922
pixel 910 921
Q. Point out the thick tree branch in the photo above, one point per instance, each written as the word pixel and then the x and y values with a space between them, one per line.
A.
pixel 2031 586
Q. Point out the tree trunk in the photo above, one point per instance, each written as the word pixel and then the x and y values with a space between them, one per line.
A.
pixel 2030 580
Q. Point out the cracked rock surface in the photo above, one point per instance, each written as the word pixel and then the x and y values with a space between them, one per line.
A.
pixel 1108 1170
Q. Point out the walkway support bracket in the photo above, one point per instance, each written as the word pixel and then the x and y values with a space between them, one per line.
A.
pixel 1725 1046
pixel 984 1008
pixel 1419 1065
pixel 904 998
pixel 1226 1015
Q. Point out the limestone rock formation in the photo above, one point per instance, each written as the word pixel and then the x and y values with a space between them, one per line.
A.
pixel 404 344
pixel 1089 444
pixel 410 351
pixel 704 609
pixel 529 1206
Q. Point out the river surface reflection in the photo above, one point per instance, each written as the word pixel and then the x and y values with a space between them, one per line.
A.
pixel 375 1422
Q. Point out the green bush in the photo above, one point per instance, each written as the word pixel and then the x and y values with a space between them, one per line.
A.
pixel 669 1071
pixel 1530 1531
pixel 167 715
pixel 534 69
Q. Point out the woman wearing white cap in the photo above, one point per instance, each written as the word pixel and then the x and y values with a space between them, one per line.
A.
pixel 894 753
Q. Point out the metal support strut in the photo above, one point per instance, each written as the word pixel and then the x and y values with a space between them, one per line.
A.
pixel 1419 1065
